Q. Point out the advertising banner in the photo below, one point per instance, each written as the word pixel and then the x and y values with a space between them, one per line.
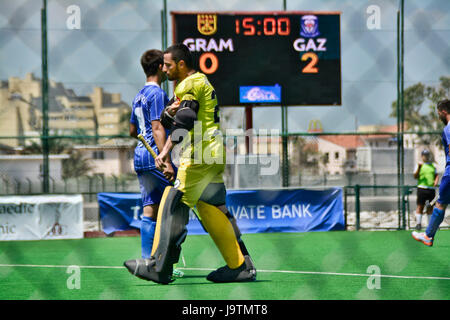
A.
pixel 298 210
pixel 41 217
pixel 119 211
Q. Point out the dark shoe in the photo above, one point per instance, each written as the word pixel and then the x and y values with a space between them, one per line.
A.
pixel 145 269
pixel 246 272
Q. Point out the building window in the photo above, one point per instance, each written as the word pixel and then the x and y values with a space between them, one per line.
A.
pixel 326 157
pixel 70 117
pixel 336 155
pixel 98 155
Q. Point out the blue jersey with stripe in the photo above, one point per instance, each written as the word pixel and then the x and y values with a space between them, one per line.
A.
pixel 147 106
pixel 445 142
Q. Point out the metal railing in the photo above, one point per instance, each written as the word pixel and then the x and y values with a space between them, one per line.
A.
pixel 366 207
pixel 391 214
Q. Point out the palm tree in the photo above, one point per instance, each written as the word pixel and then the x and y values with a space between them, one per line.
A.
pixel 75 166
pixel 56 146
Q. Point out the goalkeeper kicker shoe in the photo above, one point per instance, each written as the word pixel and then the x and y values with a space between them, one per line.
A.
pixel 246 272
pixel 145 269
pixel 422 237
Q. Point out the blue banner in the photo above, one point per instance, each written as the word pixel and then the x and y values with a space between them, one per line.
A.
pixel 119 211
pixel 298 210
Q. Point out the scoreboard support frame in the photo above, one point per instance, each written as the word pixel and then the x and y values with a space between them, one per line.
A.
pixel 248 126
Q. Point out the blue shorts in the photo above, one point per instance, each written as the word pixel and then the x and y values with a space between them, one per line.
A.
pixel 152 184
pixel 444 190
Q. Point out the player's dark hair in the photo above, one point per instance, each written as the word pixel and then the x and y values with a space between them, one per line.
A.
pixel 180 52
pixel 151 60
pixel 444 105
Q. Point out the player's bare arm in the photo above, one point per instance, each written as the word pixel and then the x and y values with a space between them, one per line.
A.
pixel 416 173
pixel 133 130
pixel 159 134
pixel 164 155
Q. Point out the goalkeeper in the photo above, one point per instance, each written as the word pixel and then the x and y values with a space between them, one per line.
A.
pixel 199 182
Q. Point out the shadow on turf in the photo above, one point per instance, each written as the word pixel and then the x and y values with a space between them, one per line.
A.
pixel 177 283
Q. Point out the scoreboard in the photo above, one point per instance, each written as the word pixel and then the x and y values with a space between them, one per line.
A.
pixel 266 58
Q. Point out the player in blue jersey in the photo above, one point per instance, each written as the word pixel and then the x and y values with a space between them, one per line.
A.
pixel 428 237
pixel 145 119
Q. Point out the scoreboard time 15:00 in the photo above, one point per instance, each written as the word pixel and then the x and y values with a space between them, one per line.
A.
pixel 297 51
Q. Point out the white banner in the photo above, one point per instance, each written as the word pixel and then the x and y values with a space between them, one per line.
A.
pixel 41 217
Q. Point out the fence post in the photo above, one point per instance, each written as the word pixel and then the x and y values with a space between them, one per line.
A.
pixel 90 187
pixel 53 184
pixel 345 207
pixel 115 183
pixel 6 181
pixel 404 199
pixel 17 190
pixel 30 189
pixel 375 184
pixel 103 183
pixel 357 206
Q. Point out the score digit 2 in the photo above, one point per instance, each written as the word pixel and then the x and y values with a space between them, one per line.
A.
pixel 311 66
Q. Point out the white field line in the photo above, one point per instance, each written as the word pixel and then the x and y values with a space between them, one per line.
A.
pixel 263 271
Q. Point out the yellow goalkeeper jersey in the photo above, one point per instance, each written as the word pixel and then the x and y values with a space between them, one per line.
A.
pixel 205 143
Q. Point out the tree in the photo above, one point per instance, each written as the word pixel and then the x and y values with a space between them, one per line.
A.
pixel 124 122
pixel 418 117
pixel 56 146
pixel 305 159
pixel 81 140
pixel 75 166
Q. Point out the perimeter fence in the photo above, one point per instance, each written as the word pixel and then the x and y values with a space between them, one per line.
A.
pixel 70 71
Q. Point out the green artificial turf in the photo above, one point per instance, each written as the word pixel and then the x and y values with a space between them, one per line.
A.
pixel 291 266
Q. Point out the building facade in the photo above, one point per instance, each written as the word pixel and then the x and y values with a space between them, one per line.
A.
pixel 100 113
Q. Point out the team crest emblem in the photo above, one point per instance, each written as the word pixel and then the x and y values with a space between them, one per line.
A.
pixel 207 24
pixel 309 26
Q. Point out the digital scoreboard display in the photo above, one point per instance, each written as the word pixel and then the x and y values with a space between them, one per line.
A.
pixel 250 57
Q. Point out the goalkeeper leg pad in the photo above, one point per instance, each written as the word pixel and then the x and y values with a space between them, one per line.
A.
pixel 222 232
pixel 171 231
pixel 248 259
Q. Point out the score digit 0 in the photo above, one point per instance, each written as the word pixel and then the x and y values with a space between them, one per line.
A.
pixel 214 62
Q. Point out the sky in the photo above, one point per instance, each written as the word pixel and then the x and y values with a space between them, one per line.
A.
pixel 105 50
